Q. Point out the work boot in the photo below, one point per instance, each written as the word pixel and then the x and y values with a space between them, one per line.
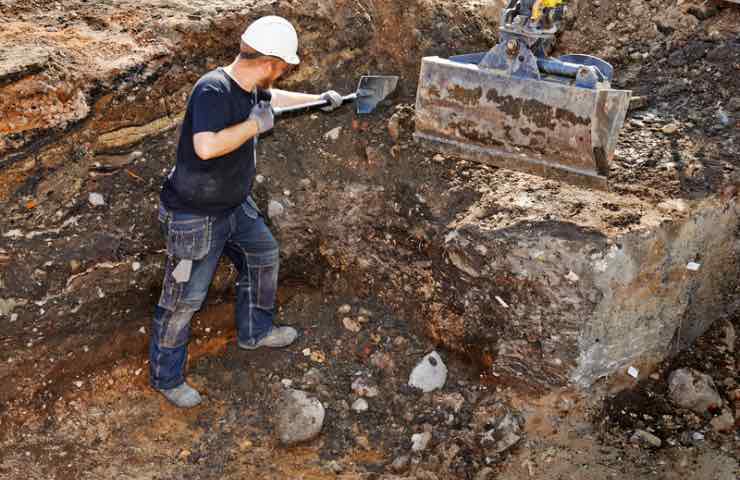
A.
pixel 278 337
pixel 183 396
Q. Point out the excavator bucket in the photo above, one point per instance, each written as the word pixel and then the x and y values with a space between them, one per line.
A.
pixel 512 108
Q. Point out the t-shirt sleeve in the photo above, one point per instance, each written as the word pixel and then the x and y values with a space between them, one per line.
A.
pixel 209 110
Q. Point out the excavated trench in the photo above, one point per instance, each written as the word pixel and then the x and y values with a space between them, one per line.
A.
pixel 536 287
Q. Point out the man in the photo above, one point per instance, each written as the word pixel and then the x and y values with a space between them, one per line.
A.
pixel 206 209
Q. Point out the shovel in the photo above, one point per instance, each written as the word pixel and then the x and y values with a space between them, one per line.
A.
pixel 370 92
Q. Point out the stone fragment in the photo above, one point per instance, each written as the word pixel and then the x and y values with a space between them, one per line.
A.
pixel 360 405
pixel 724 423
pixel 362 388
pixel 694 390
pixel 344 309
pixel 669 129
pixel 275 209
pixel 504 436
pixel 299 417
pixel 400 464
pixel 96 200
pixel 334 467
pixel 351 325
pixel 383 362
pixel 646 438
pixel 452 401
pixel 420 441
pixel 333 134
pixel 430 374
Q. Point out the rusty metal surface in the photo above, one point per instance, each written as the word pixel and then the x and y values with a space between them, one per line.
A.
pixel 539 127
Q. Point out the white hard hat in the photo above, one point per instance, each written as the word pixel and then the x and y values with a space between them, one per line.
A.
pixel 273 36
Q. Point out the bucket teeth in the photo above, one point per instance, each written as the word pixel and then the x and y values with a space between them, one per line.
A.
pixel 545 128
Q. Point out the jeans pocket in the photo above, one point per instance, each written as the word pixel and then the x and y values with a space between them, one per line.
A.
pixel 189 238
pixel 250 209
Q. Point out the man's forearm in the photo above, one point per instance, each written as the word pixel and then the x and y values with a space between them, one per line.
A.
pixel 284 98
pixel 210 145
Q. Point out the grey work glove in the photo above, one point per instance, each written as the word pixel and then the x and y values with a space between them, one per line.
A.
pixel 335 99
pixel 264 116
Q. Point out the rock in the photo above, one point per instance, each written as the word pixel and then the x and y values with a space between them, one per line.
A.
pixel 724 423
pixel 351 325
pixel 503 436
pixel 334 467
pixel 383 362
pixel 136 266
pixel 670 129
pixel 694 390
pixel 299 417
pixel 96 200
pixel 453 401
pixel 646 438
pixel 400 464
pixel 333 134
pixel 275 209
pixel 360 405
pixel 430 374
pixel 7 305
pixel 394 126
pixel 362 388
pixel 344 309
pixel 420 441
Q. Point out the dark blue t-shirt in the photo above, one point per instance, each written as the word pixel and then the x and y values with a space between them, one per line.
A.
pixel 212 187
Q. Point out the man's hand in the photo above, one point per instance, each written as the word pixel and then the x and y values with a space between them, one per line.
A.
pixel 335 99
pixel 263 116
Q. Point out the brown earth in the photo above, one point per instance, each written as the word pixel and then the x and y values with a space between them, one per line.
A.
pixel 90 94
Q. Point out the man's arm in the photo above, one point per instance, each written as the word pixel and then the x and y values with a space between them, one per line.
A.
pixel 209 145
pixel 285 99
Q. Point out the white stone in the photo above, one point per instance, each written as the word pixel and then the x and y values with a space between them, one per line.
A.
pixel 430 374
pixel 96 200
pixel 633 372
pixel 420 441
pixel 572 277
pixel 693 267
pixel 275 209
pixel 360 405
pixel 136 266
pixel 333 134
pixel 299 417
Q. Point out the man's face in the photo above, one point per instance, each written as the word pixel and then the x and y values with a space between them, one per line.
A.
pixel 277 68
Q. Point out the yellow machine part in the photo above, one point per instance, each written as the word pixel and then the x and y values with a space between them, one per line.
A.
pixel 541 5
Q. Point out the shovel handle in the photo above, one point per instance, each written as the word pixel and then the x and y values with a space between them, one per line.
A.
pixel 311 105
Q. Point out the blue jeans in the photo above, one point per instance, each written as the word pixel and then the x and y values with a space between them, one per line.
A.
pixel 195 244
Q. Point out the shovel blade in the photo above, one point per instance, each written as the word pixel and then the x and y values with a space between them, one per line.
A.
pixel 544 128
pixel 372 90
